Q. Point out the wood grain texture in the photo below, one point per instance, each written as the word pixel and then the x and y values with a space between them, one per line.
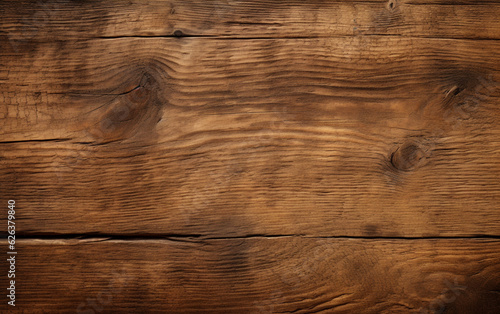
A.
pixel 384 136
pixel 259 275
pixel 30 21
pixel 258 156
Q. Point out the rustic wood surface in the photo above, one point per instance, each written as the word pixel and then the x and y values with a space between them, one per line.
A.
pixel 70 20
pixel 298 136
pixel 252 156
pixel 260 275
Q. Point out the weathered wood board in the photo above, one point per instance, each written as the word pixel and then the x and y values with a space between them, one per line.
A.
pixel 299 136
pixel 252 156
pixel 260 275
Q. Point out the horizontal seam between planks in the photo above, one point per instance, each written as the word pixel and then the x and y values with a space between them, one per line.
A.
pixel 97 237
pixel 217 37
pixel 236 37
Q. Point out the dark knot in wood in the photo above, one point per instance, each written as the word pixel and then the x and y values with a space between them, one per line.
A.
pixel 410 155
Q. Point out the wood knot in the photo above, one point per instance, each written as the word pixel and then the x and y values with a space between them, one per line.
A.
pixel 391 4
pixel 142 93
pixel 384 20
pixel 178 33
pixel 129 113
pixel 409 156
pixel 467 91
pixel 454 91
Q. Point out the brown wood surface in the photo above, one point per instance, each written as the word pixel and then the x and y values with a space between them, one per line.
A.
pixel 252 156
pixel 259 275
pixel 62 20
pixel 298 136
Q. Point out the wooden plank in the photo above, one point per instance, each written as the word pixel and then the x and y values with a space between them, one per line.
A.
pixel 25 22
pixel 258 275
pixel 252 156
pixel 381 136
